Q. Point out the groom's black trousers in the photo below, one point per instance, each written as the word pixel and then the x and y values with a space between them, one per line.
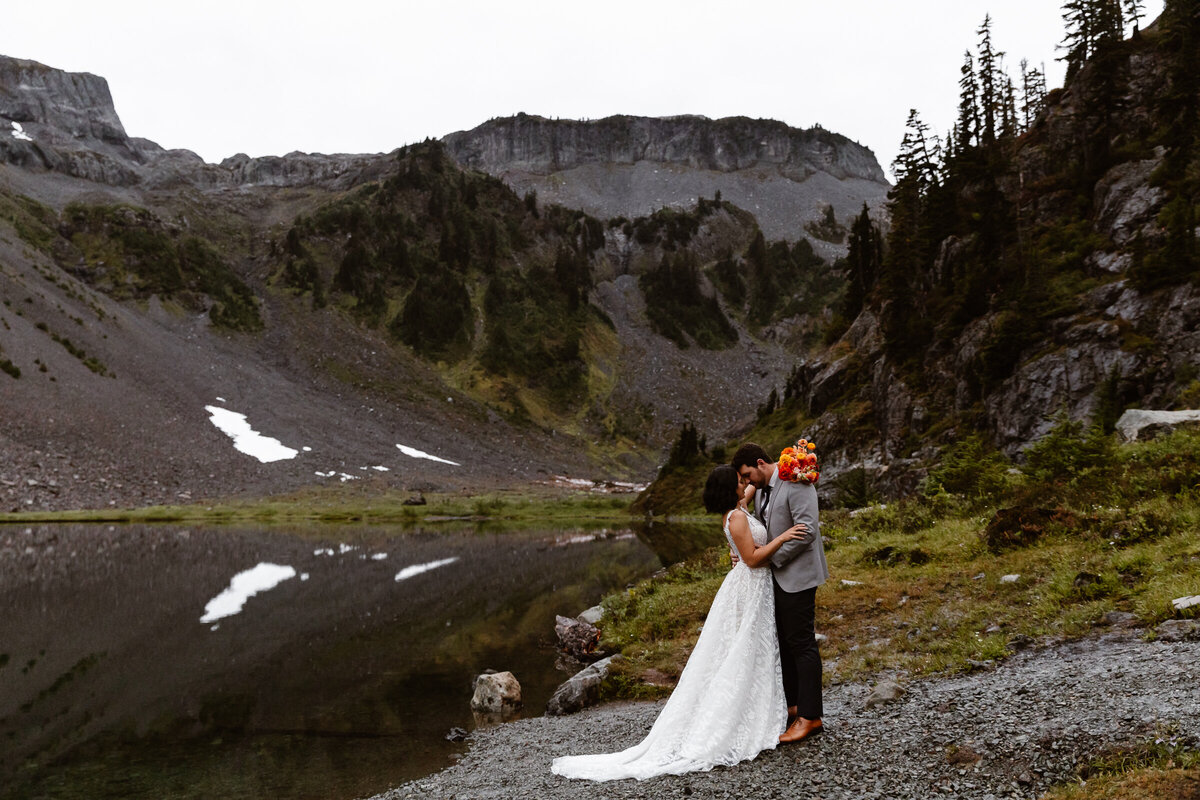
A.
pixel 795 617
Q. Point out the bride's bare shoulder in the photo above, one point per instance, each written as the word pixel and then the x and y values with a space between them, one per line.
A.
pixel 736 519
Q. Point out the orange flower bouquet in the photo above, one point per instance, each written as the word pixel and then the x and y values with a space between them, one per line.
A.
pixel 799 464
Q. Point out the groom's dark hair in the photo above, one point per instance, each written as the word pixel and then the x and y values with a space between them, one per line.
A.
pixel 748 455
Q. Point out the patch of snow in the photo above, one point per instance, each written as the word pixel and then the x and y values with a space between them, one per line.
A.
pixel 246 439
pixel 306 449
pixel 303 576
pixel 413 452
pixel 417 569
pixel 19 133
pixel 1010 578
pixel 245 585
pixel 379 556
pixel 342 476
pixel 381 469
pixel 220 399
pixel 563 541
pixel 324 551
pixel 574 481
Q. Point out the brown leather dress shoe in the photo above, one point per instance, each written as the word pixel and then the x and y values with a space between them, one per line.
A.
pixel 801 729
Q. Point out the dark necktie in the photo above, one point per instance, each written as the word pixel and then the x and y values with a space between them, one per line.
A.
pixel 766 498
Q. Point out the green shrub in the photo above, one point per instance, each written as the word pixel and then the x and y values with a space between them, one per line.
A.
pixel 969 467
pixel 1070 449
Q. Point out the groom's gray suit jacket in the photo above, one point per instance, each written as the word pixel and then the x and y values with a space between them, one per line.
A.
pixel 800 563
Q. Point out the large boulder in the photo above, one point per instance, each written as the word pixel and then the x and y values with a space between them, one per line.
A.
pixel 582 689
pixel 1140 423
pixel 497 696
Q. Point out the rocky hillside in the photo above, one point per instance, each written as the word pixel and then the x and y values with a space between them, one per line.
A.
pixel 622 166
pixel 349 305
pixel 1033 271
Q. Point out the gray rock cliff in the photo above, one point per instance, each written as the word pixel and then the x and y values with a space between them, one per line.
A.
pixel 65 122
pixel 631 166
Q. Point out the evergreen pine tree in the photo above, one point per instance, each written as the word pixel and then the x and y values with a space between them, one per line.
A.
pixel 1079 19
pixel 968 105
pixel 989 89
pixel 1033 93
pixel 1133 13
pixel 862 262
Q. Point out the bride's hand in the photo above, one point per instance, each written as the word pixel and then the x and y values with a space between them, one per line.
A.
pixel 747 495
pixel 797 531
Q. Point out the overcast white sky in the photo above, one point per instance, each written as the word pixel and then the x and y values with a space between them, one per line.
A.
pixel 266 77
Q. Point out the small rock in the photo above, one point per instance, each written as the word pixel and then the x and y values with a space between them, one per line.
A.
pixel 592 615
pixel 1010 579
pixel 1180 603
pixel 496 694
pixel 884 692
pixel 1120 619
pixel 1179 630
pixel 456 735
pixel 577 638
pixel 851 583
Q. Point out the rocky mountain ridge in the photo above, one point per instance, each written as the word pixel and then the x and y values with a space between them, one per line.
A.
pixel 631 166
pixel 154 283
pixel 69 125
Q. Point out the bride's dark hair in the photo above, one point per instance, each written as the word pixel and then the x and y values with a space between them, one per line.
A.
pixel 721 489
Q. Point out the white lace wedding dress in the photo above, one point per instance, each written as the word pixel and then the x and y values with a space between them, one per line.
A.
pixel 728 705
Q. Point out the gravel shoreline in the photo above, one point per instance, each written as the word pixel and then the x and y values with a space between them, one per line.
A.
pixel 1012 731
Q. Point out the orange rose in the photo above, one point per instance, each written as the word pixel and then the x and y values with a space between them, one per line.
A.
pixel 812 446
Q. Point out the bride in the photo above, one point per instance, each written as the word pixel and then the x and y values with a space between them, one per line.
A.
pixel 729 704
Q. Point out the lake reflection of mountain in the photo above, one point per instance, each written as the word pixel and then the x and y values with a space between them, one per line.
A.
pixel 679 541
pixel 339 679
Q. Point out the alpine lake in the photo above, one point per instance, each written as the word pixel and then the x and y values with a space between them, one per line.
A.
pixel 152 661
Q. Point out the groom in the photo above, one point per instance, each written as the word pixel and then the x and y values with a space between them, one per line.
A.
pixel 797 568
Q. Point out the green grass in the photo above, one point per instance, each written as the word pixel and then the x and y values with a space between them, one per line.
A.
pixel 1161 769
pixel 342 504
pixel 928 596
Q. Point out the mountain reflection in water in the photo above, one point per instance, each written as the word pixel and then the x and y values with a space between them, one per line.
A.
pixel 339 684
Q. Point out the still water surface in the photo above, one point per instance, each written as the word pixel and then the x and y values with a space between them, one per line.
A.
pixel 327 662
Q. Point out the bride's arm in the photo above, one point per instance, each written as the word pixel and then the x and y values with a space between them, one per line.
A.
pixel 752 554
pixel 747 497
